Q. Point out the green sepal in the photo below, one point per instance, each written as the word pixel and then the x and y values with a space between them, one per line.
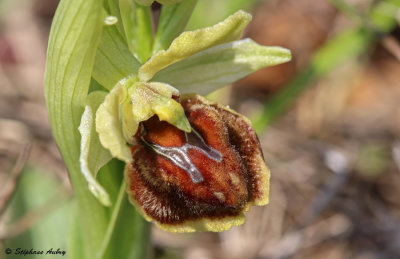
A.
pixel 113 59
pixel 191 42
pixel 93 156
pixel 221 65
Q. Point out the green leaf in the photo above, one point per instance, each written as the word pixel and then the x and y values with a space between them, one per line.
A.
pixel 74 37
pixel 75 240
pixel 93 156
pixel 191 42
pixel 137 21
pixel 113 59
pixel 172 22
pixel 112 6
pixel 145 2
pixel 221 65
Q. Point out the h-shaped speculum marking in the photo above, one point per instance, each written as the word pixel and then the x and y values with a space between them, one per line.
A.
pixel 179 155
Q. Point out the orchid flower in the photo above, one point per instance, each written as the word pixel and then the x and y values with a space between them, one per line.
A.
pixel 191 164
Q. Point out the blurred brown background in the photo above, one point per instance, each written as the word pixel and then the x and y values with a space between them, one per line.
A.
pixel 334 153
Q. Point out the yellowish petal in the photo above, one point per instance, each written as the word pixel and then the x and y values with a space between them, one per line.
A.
pixel 131 102
pixel 146 100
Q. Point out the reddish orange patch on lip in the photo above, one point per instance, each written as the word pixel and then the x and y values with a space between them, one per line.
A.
pixel 226 153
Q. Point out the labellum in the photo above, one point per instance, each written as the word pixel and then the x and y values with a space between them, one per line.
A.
pixel 199 181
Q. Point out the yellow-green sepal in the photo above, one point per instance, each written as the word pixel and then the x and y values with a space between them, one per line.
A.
pixel 192 42
pixel 221 65
pixel 93 156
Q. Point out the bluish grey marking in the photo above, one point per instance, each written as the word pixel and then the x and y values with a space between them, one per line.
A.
pixel 178 155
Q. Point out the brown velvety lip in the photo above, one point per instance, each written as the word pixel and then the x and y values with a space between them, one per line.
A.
pixel 224 149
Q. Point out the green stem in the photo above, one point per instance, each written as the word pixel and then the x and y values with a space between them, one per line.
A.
pixel 128 234
pixel 111 224
pixel 138 26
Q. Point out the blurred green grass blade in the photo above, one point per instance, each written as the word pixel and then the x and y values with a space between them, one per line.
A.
pixel 346 46
pixel 42 199
pixel 137 22
pixel 276 105
pixel 384 14
pixel 346 8
pixel 172 22
pixel 113 59
pixel 381 16
pixel 75 241
pixel 73 41
pixel 216 11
